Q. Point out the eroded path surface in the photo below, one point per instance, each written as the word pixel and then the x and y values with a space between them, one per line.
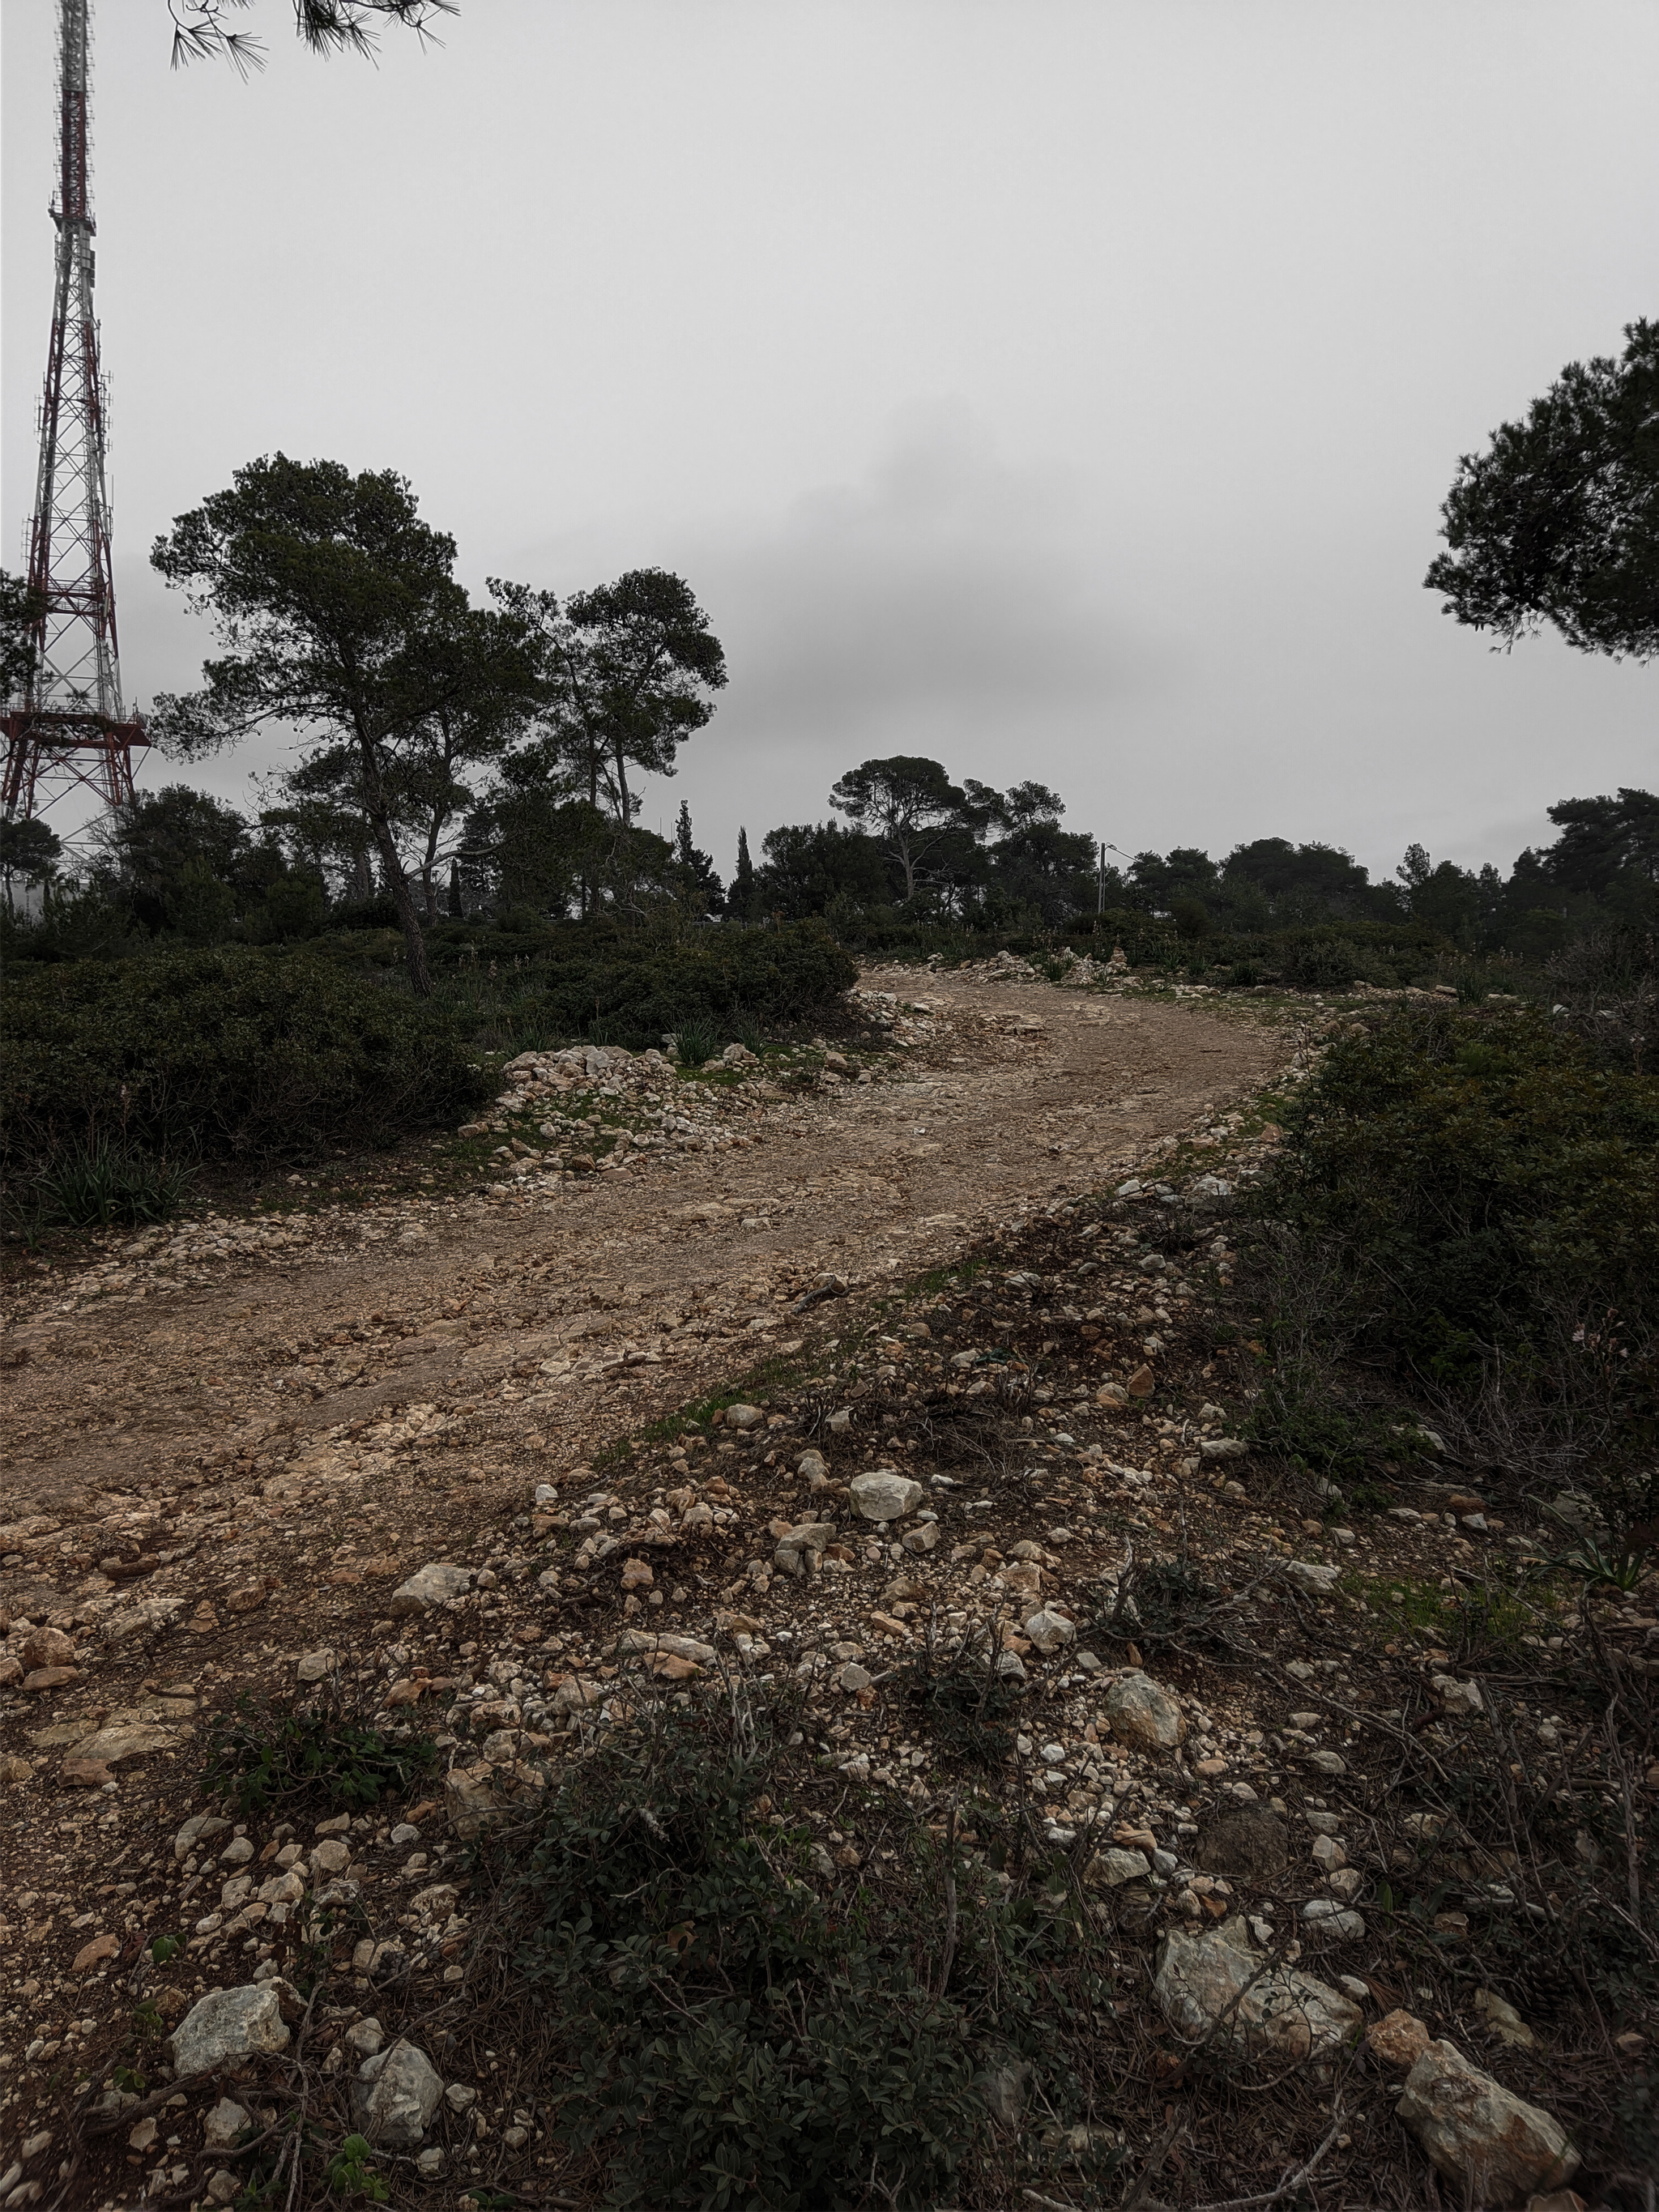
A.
pixel 1010 1094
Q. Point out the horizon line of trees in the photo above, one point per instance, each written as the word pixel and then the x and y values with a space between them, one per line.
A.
pixel 915 848
pixel 450 756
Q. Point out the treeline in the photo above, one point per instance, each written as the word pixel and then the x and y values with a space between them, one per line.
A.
pixel 453 762
pixel 911 852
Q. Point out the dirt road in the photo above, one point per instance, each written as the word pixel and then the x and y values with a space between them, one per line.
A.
pixel 1018 1092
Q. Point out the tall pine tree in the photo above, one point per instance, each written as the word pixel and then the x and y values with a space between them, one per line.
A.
pixel 742 901
pixel 697 865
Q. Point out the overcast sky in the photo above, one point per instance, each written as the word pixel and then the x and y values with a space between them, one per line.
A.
pixel 1063 388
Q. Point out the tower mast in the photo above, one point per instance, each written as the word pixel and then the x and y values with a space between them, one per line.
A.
pixel 70 730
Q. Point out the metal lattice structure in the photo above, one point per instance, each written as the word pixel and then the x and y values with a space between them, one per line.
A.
pixel 70 730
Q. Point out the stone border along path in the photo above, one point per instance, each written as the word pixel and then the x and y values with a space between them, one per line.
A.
pixel 224 1463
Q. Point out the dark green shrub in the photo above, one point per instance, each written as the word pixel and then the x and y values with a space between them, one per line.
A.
pixel 965 1706
pixel 1312 961
pixel 651 986
pixel 266 1755
pixel 230 1054
pixel 726 2039
pixel 1492 1188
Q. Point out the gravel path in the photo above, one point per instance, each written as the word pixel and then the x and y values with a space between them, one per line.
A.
pixel 1015 1093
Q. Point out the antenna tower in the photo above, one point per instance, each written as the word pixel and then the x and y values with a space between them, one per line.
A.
pixel 70 730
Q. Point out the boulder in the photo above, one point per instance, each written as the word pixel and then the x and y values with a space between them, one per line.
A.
pixel 1505 2022
pixel 1492 2145
pixel 1051 1632
pixel 1309 1575
pixel 107 1746
pixel 1143 1715
pixel 46 1647
pixel 432 1584
pixel 1110 1869
pixel 800 1548
pixel 1458 1697
pixel 225 2027
pixel 395 2095
pixel 222 2126
pixel 885 1496
pixel 1398 2039
pixel 743 1417
pixel 147 1618
pixel 1279 2013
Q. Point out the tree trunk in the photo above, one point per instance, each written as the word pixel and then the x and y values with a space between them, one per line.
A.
pixel 420 975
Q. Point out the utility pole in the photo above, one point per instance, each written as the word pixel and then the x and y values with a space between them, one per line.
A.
pixel 70 730
pixel 1100 875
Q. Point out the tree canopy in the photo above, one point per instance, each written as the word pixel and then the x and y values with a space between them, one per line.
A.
pixel 907 805
pixel 344 624
pixel 203 28
pixel 1557 522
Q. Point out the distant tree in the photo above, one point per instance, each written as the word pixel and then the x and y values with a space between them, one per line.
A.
pixel 1558 521
pixel 427 797
pixel 1306 883
pixel 201 28
pixel 808 864
pixel 344 623
pixel 19 612
pixel 178 862
pixel 29 848
pixel 698 867
pixel 743 900
pixel 1161 878
pixel 630 669
pixel 1415 869
pixel 1031 862
pixel 909 805
pixel 1602 839
pixel 454 906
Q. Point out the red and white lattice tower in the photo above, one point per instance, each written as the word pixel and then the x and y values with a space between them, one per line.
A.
pixel 70 730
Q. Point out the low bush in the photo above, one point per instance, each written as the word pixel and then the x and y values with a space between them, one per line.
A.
pixel 262 1756
pixel 1483 1191
pixel 230 1054
pixel 644 988
pixel 730 2022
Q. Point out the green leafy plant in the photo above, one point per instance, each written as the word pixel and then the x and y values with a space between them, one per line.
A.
pixel 268 1754
pixel 726 2034
pixel 163 1947
pixel 1619 1566
pixel 350 2175
pixel 698 1040
pixel 102 1184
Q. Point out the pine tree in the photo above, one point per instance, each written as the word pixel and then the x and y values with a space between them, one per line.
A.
pixel 697 865
pixel 742 901
pixel 457 910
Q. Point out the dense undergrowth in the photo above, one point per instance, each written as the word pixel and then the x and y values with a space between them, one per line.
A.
pixel 1467 1209
pixel 723 2030
pixel 229 1053
pixel 121 1074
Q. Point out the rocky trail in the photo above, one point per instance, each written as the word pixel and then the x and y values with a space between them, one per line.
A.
pixel 781 1378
